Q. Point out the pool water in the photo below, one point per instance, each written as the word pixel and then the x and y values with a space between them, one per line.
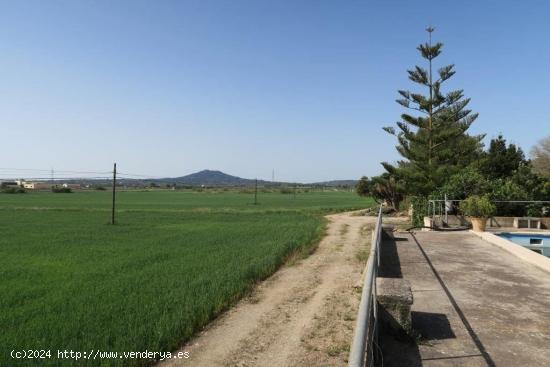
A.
pixel 533 241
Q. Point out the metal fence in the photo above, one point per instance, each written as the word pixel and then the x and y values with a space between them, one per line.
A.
pixel 441 207
pixel 362 350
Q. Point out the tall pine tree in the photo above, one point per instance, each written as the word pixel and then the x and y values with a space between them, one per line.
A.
pixel 433 141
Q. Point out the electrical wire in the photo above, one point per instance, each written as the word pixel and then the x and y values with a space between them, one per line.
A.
pixel 137 175
pixel 55 171
pixel 68 175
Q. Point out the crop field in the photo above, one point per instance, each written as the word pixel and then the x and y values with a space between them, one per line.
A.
pixel 174 260
pixel 188 200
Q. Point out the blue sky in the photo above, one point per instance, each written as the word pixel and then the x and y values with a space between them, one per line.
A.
pixel 167 88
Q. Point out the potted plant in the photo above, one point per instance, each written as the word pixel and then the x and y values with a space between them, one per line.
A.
pixel 478 209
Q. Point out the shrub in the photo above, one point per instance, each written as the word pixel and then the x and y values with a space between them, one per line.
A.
pixel 506 190
pixel 364 187
pixel 13 190
pixel 62 190
pixel 389 189
pixel 477 206
pixel 535 210
pixel 420 210
pixel 467 182
pixel 100 188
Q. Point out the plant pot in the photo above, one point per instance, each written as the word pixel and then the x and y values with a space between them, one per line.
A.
pixel 478 224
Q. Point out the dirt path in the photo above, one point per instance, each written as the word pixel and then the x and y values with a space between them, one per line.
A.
pixel 301 316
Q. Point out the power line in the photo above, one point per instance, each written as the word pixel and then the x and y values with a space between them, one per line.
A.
pixel 50 171
pixel 57 178
pixel 137 175
pixel 25 169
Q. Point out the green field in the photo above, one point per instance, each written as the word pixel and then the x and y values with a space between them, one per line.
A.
pixel 69 280
pixel 187 200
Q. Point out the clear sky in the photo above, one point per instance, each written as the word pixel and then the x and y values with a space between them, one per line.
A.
pixel 167 88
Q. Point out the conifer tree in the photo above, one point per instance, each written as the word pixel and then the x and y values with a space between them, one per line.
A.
pixel 433 141
pixel 501 159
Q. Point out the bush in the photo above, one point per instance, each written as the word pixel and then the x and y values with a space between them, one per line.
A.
pixel 100 188
pixel 420 210
pixel 535 210
pixel 13 190
pixel 62 190
pixel 477 206
pixel 506 190
pixel 466 183
pixel 388 188
pixel 364 187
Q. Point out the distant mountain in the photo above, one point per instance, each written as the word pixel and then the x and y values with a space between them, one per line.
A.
pixel 206 178
pixel 218 178
pixel 211 178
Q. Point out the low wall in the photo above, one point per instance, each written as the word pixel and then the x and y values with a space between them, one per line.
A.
pixel 493 222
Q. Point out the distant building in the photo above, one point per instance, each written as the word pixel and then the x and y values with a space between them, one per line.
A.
pixel 30 185
pixel 36 185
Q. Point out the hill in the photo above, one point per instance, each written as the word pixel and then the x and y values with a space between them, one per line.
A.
pixel 218 178
pixel 212 178
pixel 205 177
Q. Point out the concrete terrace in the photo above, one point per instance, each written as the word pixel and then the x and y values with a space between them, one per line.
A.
pixel 474 303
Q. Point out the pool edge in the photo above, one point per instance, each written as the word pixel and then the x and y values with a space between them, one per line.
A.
pixel 540 261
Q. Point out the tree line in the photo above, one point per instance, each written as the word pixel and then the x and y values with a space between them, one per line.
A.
pixel 439 156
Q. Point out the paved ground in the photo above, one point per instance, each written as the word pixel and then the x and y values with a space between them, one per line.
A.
pixel 474 303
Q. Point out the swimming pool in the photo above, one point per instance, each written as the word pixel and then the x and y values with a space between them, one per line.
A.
pixel 536 242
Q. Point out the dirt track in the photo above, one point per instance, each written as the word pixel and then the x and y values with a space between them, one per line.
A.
pixel 301 316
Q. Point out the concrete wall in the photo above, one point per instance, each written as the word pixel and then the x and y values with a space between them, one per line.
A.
pixel 493 222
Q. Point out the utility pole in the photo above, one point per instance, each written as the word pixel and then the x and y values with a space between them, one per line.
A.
pixel 295 190
pixel 256 192
pixel 52 179
pixel 114 194
pixel 273 176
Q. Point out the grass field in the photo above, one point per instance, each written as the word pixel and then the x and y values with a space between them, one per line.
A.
pixel 187 200
pixel 69 280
